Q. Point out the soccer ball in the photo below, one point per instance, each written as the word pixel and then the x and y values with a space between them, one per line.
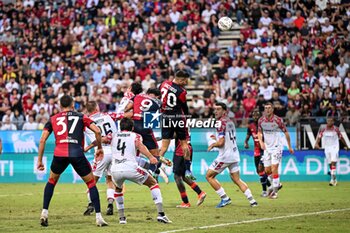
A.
pixel 225 23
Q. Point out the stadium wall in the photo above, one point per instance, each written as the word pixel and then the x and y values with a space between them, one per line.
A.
pixel 17 163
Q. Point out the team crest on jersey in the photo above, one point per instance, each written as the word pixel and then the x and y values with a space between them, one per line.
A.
pixel 151 120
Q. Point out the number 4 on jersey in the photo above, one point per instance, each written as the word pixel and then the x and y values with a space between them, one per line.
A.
pixel 121 146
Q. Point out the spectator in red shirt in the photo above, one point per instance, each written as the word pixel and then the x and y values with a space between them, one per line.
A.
pixel 143 72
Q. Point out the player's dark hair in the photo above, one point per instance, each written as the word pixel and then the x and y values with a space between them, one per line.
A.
pixel 153 91
pixel 136 88
pixel 181 74
pixel 268 103
pixel 126 124
pixel 224 106
pixel 66 101
pixel 91 106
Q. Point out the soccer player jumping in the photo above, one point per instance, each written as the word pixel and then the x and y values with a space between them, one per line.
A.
pixel 270 127
pixel 331 136
pixel 68 127
pixel 174 110
pixel 228 158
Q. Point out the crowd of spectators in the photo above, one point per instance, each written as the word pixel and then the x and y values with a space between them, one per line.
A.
pixel 295 54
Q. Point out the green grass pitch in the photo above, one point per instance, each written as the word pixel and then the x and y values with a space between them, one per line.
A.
pixel 20 207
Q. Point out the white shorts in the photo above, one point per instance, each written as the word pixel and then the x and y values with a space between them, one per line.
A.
pixel 218 166
pixel 127 171
pixel 332 155
pixel 272 157
pixel 102 168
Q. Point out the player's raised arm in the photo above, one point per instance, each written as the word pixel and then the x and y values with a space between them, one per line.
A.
pixel 44 136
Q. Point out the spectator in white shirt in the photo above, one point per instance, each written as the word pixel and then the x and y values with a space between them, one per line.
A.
pixel 327 28
pixel 6 116
pixel 38 105
pixel 31 125
pixel 128 63
pixel 265 19
pixel 12 85
pixel 225 84
pixel 207 13
pixel 7 125
pixel 137 34
pixel 266 90
pixel 268 49
pixel 174 15
pixel 234 72
pixel 112 83
pixel 342 68
pixel 198 104
pixel 147 83
pixel 296 70
pixel 323 80
pixel 334 80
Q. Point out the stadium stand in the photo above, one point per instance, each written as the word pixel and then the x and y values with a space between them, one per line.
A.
pixel 295 54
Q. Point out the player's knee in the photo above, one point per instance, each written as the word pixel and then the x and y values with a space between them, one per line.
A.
pixel 91 183
pixel 53 181
pixel 209 176
pixel 178 179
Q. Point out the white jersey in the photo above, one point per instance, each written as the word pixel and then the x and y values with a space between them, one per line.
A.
pixel 124 146
pixel 331 137
pixel 107 125
pixel 272 130
pixel 124 102
pixel 229 152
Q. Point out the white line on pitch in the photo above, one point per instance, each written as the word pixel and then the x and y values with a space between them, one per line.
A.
pixel 258 220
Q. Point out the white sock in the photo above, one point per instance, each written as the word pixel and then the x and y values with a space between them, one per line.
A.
pixel 249 196
pixel 333 172
pixel 156 194
pixel 110 195
pixel 221 193
pixel 88 196
pixel 45 212
pixel 98 215
pixel 119 200
pixel 276 183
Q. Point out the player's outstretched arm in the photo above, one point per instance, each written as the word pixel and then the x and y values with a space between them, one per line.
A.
pixel 44 136
pixel 219 143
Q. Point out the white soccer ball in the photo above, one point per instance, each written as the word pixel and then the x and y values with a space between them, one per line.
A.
pixel 225 23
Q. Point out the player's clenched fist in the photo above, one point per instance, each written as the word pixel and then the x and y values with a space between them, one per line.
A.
pixel 40 166
pixel 153 160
